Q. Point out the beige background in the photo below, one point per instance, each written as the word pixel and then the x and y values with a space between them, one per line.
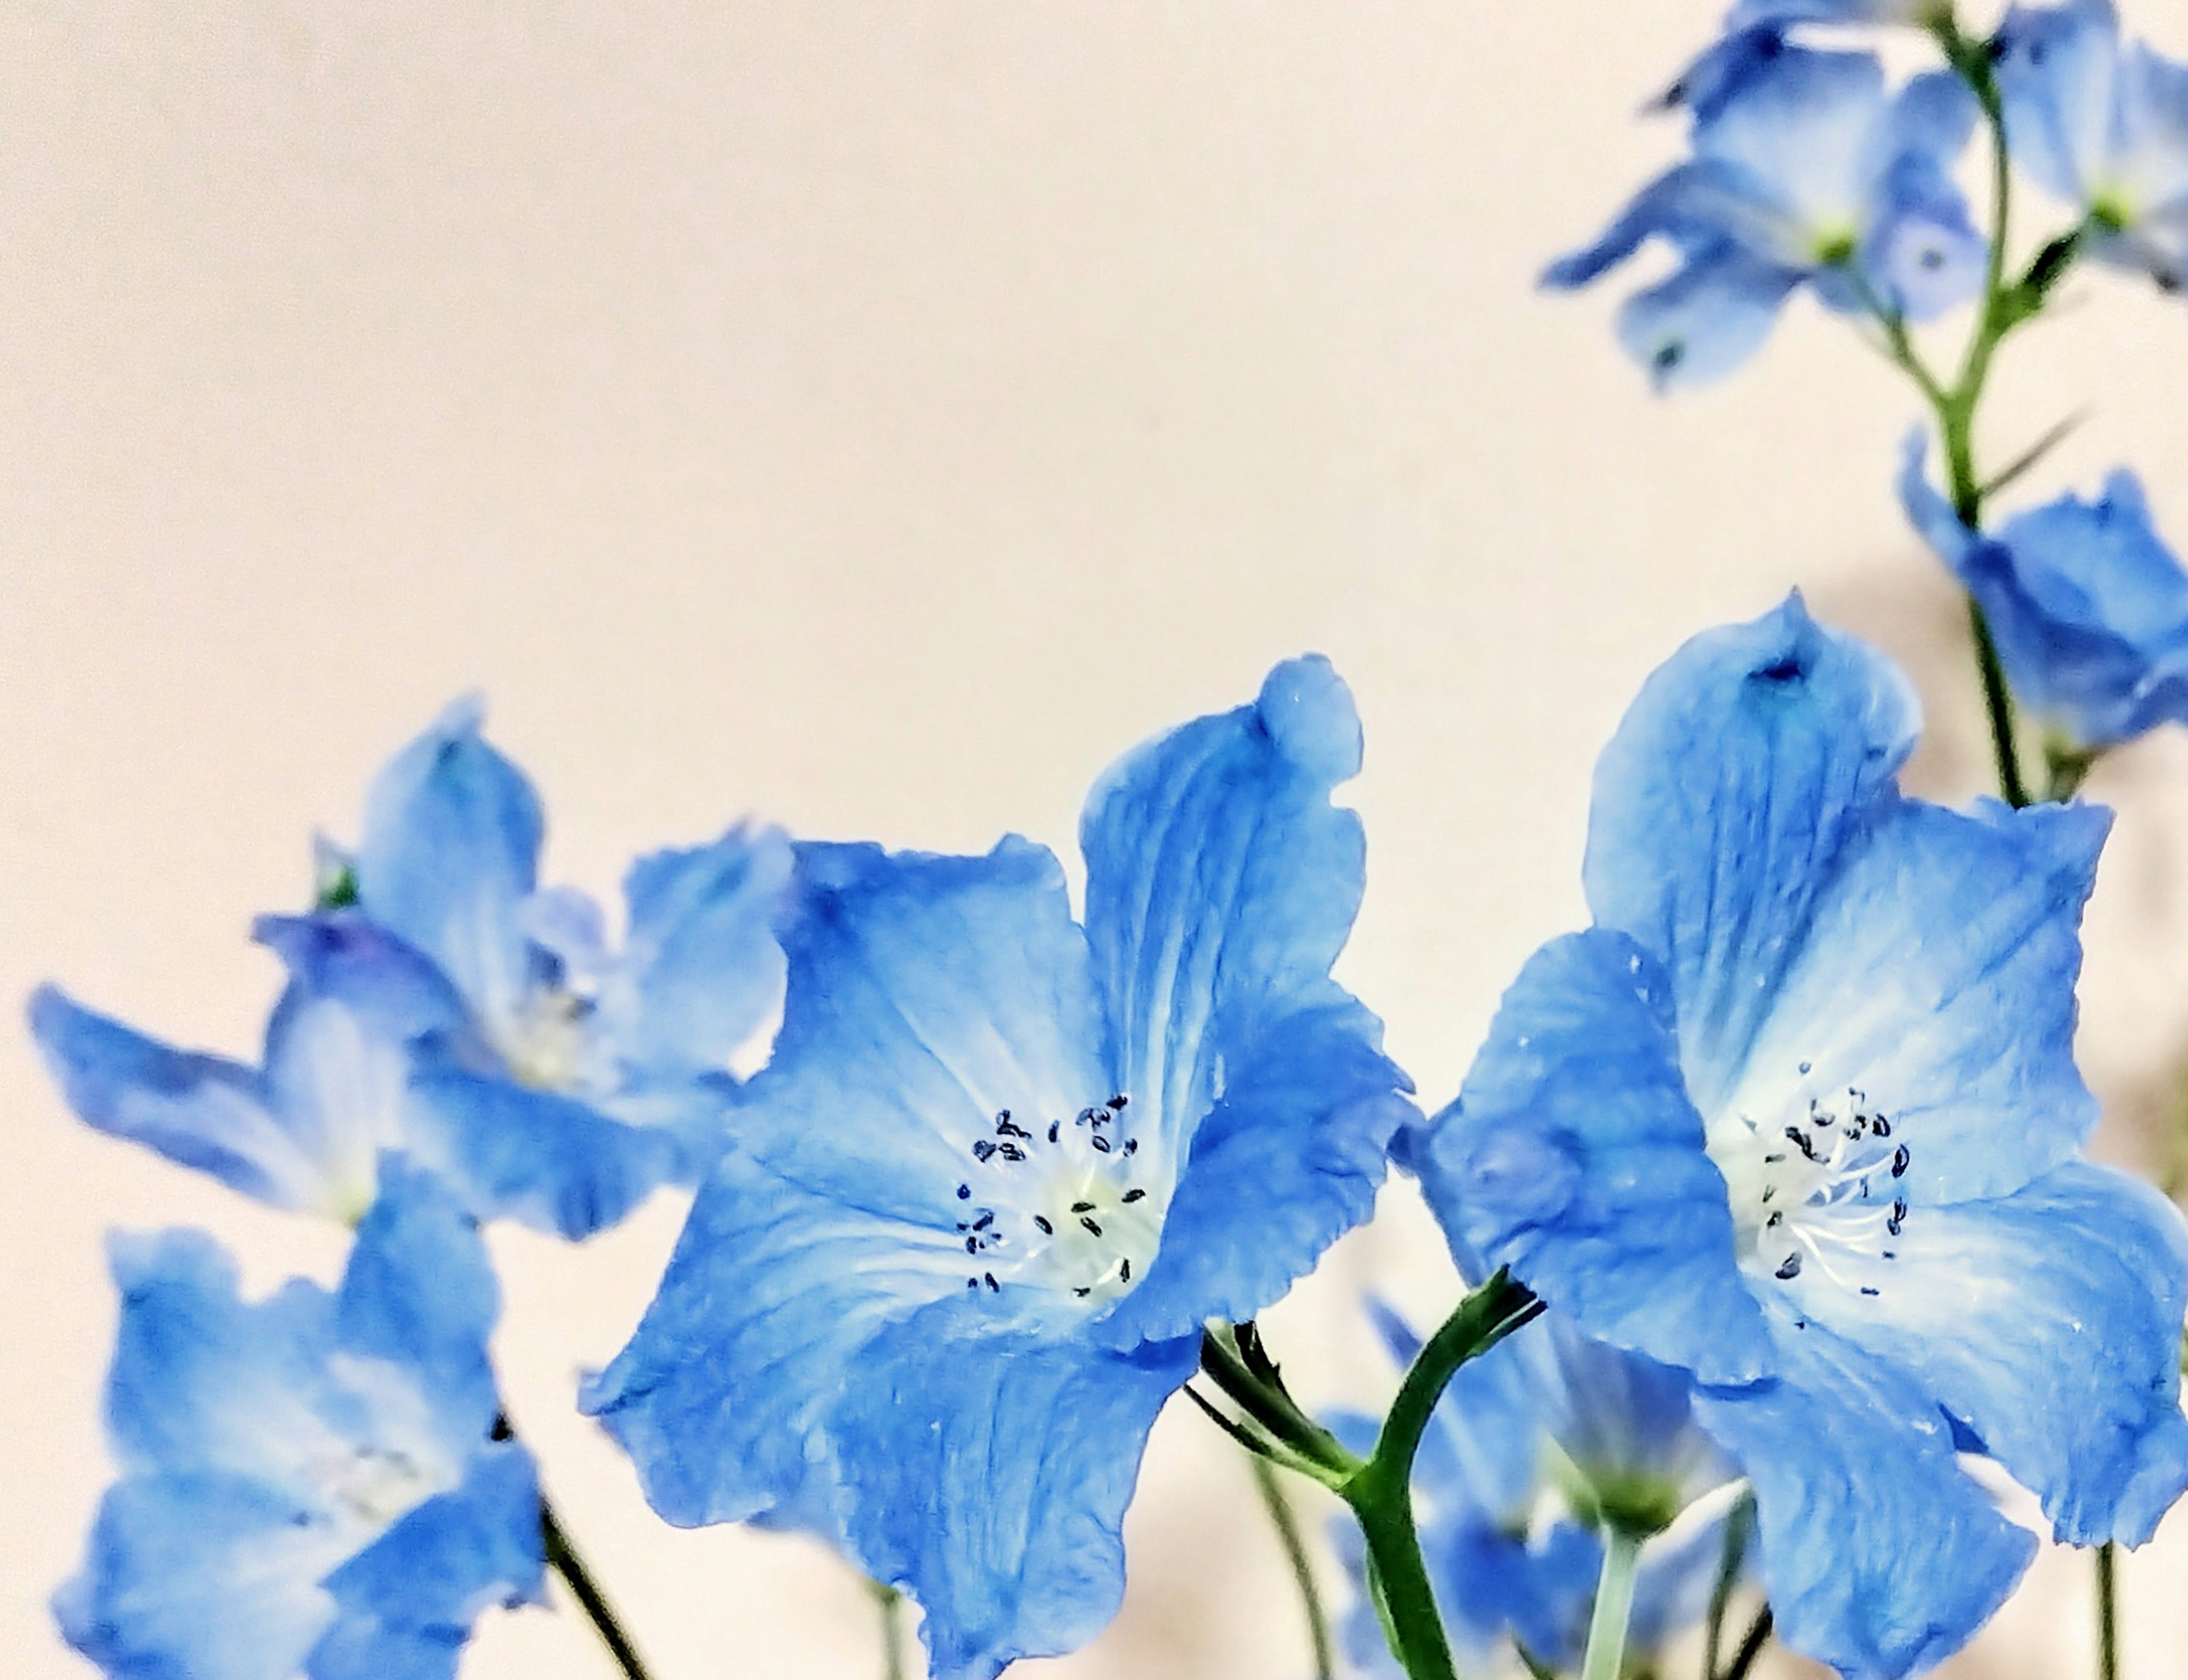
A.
pixel 878 416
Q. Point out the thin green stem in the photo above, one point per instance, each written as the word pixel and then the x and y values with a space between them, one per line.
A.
pixel 1613 1605
pixel 1380 1492
pixel 1758 1636
pixel 1739 1526
pixel 1314 1450
pixel 889 1603
pixel 562 1558
pixel 2108 1612
pixel 1288 1536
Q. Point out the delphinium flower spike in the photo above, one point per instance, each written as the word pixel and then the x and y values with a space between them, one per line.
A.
pixel 449 1007
pixel 1799 1115
pixel 1003 1167
pixel 315 1484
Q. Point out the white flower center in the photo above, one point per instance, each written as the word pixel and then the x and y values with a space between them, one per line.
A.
pixel 549 1044
pixel 1060 1204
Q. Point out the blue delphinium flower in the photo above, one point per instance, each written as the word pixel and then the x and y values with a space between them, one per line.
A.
pixel 312 1485
pixel 1808 170
pixel 1799 1115
pixel 1527 1444
pixel 2102 124
pixel 2087 604
pixel 1003 1166
pixel 459 1013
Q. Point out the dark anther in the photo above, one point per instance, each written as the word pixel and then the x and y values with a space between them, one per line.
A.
pixel 1807 1067
pixel 1892 1254
pixel 971 1245
pixel 1054 1127
pixel 1124 1270
pixel 1046 1229
pixel 1802 1142
pixel 972 1282
pixel 1866 1290
pixel 1896 1218
pixel 1791 1268
pixel 1768 1191
pixel 1089 1225
pixel 1082 1207
pixel 1773 1160
pixel 1132 1146
pixel 1011 1152
pixel 1119 1100
pixel 982 1149
pixel 964 1192
pixel 1881 1126
pixel 1773 1221
pixel 983 1222
pixel 1900 1157
pixel 1008 1127
pixel 1100 1143
pixel 1134 1195
pixel 989 1277
pixel 1082 1294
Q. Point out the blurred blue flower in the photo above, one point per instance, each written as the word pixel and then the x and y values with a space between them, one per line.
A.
pixel 2102 124
pixel 1807 170
pixel 2088 605
pixel 1526 1445
pixel 313 1485
pixel 1002 1168
pixel 1799 1115
pixel 461 1015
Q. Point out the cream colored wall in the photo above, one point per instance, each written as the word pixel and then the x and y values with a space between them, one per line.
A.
pixel 878 416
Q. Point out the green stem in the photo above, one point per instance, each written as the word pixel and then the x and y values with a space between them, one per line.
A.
pixel 1380 1492
pixel 562 1558
pixel 2108 1612
pixel 1288 1536
pixel 889 1602
pixel 1613 1605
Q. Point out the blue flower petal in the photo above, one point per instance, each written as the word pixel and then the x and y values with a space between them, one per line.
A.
pixel 450 855
pixel 445 1561
pixel 1744 764
pixel 989 1473
pixel 927 995
pixel 1220 886
pixel 702 969
pixel 773 1292
pixel 1717 73
pixel 198 1576
pixel 1697 206
pixel 203 1112
pixel 552 1162
pixel 420 1292
pixel 359 1648
pixel 2050 1322
pixel 1881 1556
pixel 1708 318
pixel 1574 1156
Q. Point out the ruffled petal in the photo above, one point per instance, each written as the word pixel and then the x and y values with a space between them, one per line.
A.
pixel 549 1161
pixel 987 1473
pixel 450 855
pixel 203 1112
pixel 927 995
pixel 1935 975
pixel 201 1576
pixel 773 1292
pixel 1739 772
pixel 2049 1323
pixel 416 1591
pixel 1574 1156
pixel 1880 1555
pixel 701 969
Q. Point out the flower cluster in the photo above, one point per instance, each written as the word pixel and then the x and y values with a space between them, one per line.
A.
pixel 1779 1252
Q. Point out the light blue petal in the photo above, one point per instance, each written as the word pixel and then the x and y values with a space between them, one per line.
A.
pixel 1718 72
pixel 702 969
pixel 203 1112
pixel 1574 1156
pixel 546 1160
pixel 203 1576
pixel 1621 1419
pixel 1881 1556
pixel 1935 974
pixel 1921 254
pixel 1741 771
pixel 451 854
pixel 927 995
pixel 204 1382
pixel 1696 207
pixel 988 1474
pixel 442 1563
pixel 1221 885
pixel 1802 133
pixel 1707 318
pixel 2049 1322
pixel 2058 70
pixel 1926 508
pixel 1677 1578
pixel 773 1292
pixel 360 1648
pixel 1286 1163
pixel 420 1292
